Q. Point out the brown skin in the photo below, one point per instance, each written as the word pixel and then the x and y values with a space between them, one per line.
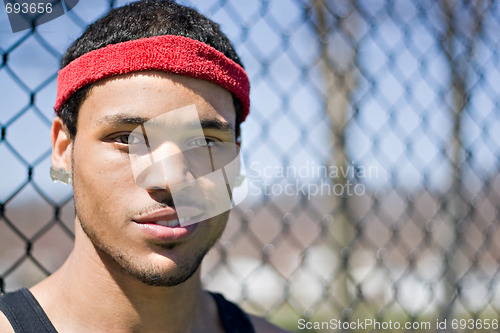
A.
pixel 96 289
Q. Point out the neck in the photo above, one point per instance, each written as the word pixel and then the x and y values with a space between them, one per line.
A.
pixel 109 300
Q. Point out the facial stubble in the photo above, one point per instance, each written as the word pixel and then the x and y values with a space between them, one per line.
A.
pixel 134 266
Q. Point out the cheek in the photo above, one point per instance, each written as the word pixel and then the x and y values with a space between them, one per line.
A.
pixel 101 175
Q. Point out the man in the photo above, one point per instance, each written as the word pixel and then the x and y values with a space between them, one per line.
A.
pixel 150 100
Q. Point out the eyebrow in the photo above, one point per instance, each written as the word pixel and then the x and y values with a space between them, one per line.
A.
pixel 122 119
pixel 217 124
pixel 126 119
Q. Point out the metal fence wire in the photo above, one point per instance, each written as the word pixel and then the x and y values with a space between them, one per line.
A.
pixel 371 153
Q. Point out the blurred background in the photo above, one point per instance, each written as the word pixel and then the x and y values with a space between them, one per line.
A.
pixel 372 156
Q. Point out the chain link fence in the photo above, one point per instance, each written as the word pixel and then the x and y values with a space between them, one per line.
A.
pixel 372 158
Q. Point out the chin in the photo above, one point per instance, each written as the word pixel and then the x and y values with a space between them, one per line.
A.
pixel 162 271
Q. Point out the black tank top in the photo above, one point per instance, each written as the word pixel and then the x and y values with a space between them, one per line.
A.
pixel 27 316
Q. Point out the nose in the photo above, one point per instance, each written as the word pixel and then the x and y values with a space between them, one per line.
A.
pixel 166 167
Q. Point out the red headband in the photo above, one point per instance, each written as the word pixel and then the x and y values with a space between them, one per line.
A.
pixel 171 54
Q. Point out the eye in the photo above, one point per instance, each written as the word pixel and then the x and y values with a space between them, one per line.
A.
pixel 128 139
pixel 202 142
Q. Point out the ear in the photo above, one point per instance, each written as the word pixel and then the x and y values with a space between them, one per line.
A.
pixel 61 145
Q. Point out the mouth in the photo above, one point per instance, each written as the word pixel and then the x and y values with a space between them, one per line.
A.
pixel 171 224
pixel 176 223
pixel 166 225
pixel 169 216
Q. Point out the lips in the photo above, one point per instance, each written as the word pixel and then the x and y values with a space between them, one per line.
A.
pixel 164 224
pixel 168 216
pixel 171 223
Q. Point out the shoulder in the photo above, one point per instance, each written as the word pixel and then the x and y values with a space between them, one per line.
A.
pixel 261 325
pixel 5 326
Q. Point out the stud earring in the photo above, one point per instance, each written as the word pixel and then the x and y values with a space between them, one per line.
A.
pixel 60 175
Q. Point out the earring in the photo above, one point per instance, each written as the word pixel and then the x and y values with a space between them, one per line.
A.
pixel 60 175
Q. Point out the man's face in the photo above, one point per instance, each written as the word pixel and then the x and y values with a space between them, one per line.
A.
pixel 129 221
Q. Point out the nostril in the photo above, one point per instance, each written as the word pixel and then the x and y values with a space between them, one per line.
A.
pixel 161 195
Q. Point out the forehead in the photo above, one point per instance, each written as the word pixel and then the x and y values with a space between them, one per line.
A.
pixel 151 94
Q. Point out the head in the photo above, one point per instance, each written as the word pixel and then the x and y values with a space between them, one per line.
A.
pixel 133 224
pixel 138 20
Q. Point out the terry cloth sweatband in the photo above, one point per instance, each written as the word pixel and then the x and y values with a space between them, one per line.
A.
pixel 167 53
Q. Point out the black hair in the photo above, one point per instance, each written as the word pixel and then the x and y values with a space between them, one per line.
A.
pixel 142 19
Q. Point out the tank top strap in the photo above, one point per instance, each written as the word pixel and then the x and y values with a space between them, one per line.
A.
pixel 27 316
pixel 25 313
pixel 234 320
